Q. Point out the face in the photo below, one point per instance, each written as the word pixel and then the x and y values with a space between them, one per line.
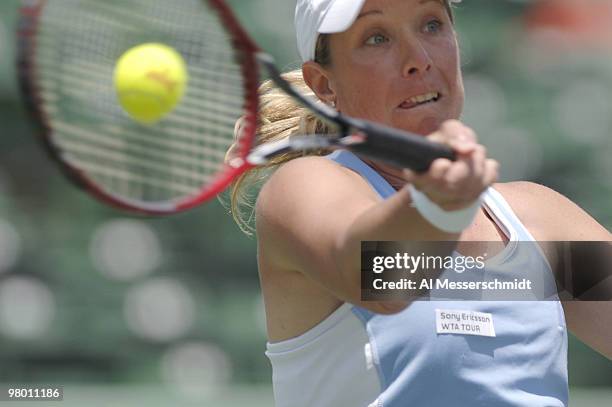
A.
pixel 399 65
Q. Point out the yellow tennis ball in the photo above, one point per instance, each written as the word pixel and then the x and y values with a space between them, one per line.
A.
pixel 150 80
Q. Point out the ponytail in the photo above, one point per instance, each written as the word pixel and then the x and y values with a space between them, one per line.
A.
pixel 280 117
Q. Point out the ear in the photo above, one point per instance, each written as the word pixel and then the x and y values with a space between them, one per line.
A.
pixel 320 81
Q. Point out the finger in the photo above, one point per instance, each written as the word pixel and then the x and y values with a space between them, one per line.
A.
pixel 491 172
pixel 477 161
pixel 462 147
pixel 466 175
pixel 468 135
pixel 455 130
pixel 482 160
pixel 434 177
pixel 437 137
pixel 458 174
pixel 439 168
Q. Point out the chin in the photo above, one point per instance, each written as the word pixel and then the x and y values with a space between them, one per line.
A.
pixel 424 126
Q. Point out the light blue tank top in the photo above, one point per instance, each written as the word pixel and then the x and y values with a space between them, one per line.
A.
pixel 525 364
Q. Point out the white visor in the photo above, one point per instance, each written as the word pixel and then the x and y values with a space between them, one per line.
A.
pixel 314 17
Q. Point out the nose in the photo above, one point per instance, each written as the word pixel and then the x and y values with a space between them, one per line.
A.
pixel 415 58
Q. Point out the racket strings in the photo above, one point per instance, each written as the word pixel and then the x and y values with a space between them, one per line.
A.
pixel 78 46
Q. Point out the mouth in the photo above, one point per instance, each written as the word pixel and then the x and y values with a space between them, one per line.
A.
pixel 420 100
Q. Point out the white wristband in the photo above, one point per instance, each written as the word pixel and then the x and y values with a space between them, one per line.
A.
pixel 448 221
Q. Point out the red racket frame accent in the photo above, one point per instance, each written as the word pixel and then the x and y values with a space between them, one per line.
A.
pixel 26 68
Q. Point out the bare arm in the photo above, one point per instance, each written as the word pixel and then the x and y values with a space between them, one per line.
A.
pixel 314 214
pixel 556 218
pixel 590 321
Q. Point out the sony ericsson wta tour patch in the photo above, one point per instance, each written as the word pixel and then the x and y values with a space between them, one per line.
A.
pixel 464 322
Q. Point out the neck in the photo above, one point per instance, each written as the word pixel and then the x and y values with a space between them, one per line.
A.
pixel 393 175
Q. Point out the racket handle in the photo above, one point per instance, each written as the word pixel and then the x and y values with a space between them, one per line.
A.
pixel 397 147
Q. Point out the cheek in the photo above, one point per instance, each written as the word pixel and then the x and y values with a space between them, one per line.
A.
pixel 449 66
pixel 360 91
pixel 460 96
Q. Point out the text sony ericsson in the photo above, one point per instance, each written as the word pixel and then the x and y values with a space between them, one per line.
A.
pixel 406 262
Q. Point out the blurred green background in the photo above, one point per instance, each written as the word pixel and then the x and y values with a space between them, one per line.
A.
pixel 126 310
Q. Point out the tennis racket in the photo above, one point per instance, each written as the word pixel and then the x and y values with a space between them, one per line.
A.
pixel 67 53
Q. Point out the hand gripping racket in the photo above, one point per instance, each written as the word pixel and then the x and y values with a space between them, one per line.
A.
pixel 67 53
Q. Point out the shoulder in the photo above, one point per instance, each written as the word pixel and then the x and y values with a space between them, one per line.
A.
pixel 548 214
pixel 308 181
pixel 311 169
pixel 529 198
pixel 307 201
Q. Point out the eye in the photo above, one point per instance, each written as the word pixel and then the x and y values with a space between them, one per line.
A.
pixel 376 39
pixel 433 26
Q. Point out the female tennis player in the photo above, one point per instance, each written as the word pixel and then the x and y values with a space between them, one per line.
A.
pixel 397 62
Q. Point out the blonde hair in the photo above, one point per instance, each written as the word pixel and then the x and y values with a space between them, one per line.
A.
pixel 280 116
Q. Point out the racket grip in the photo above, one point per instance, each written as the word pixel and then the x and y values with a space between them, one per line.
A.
pixel 398 148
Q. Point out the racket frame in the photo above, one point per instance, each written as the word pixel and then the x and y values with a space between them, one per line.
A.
pixel 27 31
pixel 370 139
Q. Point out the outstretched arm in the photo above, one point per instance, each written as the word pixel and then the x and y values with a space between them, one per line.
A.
pixel 312 214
